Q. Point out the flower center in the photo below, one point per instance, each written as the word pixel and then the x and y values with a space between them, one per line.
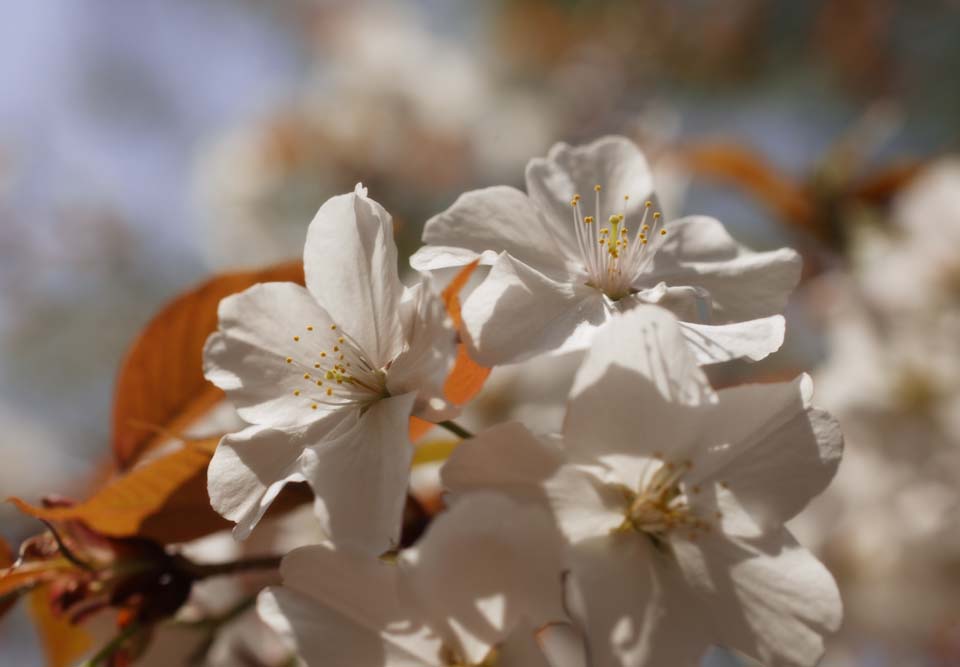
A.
pixel 612 258
pixel 335 370
pixel 661 505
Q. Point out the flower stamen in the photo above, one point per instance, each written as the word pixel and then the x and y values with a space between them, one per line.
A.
pixel 612 262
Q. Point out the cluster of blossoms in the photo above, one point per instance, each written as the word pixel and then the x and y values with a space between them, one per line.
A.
pixel 892 377
pixel 648 528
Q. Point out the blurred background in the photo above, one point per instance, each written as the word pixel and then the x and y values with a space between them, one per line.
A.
pixel 144 146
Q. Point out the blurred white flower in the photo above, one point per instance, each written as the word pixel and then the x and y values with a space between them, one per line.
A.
pixel 329 375
pixel 484 577
pixel 917 266
pixel 673 499
pixel 888 524
pixel 558 275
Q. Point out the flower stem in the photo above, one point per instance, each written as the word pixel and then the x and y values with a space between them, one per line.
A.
pixel 204 570
pixel 456 429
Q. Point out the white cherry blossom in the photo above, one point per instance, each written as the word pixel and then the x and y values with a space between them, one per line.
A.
pixel 328 376
pixel 672 498
pixel 472 593
pixel 586 242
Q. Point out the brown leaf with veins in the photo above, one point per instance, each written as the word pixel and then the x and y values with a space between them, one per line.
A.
pixel 160 386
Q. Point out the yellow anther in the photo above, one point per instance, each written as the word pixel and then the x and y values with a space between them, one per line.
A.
pixel 296 339
pixel 330 375
pixel 588 219
pixel 341 339
pixel 663 232
pixel 645 228
pixel 306 376
pixel 309 328
pixel 574 202
pixel 313 406
pixel 323 354
pixel 333 327
pixel 336 348
pixel 329 391
pixel 656 216
pixel 597 188
pixel 296 392
pixel 289 360
pixel 626 197
pixel 319 383
pixel 643 241
pixel 647 204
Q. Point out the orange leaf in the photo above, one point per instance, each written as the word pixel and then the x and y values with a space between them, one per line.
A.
pixel 6 554
pixel 120 508
pixel 467 376
pixel 161 383
pixel 451 293
pixel 419 428
pixel 63 642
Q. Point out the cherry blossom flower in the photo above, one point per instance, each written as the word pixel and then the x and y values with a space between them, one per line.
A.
pixel 562 265
pixel 485 576
pixel 328 376
pixel 672 498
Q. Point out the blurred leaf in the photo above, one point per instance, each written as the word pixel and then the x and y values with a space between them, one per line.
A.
pixel 467 376
pixel 63 643
pixel 752 173
pixel 434 452
pixel 121 508
pixel 15 581
pixel 884 184
pixel 11 582
pixel 160 385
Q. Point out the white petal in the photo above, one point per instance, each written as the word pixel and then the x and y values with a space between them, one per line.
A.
pixel 753 339
pixel 584 506
pixel 632 609
pixel 686 302
pixel 773 452
pixel 431 348
pixel 769 597
pixel 436 258
pixel 342 609
pixel 486 567
pixel 743 285
pixel 350 260
pixel 639 391
pixel 247 356
pixel 498 219
pixel 614 163
pixel 563 644
pixel 506 458
pixel 522 650
pixel 359 586
pixel 360 477
pixel 518 312
pixel 250 468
